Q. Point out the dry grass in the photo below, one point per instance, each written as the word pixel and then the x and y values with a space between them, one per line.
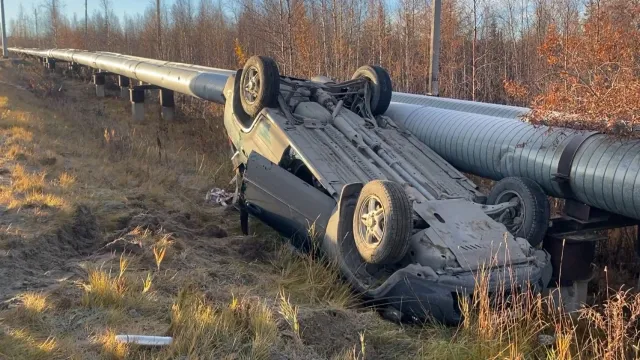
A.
pixel 612 329
pixel 28 186
pixel 26 182
pixel 16 152
pixel 104 289
pixel 510 326
pixel 31 311
pixel 146 284
pixel 19 135
pixel 159 251
pixel 290 314
pixel 355 353
pixel 35 302
pixel 110 348
pixel 20 344
pixel 29 189
pixel 245 327
pixel 311 281
pixel 54 154
pixel 65 180
pixel 37 199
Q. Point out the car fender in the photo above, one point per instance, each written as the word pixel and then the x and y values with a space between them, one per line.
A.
pixel 340 223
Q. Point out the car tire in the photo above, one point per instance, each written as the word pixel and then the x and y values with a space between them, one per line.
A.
pixel 259 84
pixel 381 85
pixel 533 208
pixel 382 222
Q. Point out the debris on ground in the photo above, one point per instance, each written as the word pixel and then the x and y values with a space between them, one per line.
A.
pixel 144 340
pixel 219 196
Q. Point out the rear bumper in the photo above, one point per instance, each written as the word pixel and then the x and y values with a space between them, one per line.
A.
pixel 420 299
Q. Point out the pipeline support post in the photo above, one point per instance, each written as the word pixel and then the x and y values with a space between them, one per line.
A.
pixel 87 72
pixel 72 67
pixel 99 80
pixel 124 83
pixel 136 96
pixel 167 102
pixel 50 63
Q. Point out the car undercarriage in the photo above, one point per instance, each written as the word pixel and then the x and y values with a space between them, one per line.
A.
pixel 317 161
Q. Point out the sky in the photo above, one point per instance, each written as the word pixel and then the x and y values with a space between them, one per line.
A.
pixel 120 7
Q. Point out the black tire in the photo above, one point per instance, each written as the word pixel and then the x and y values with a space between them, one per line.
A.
pixel 393 242
pixel 266 88
pixel 533 202
pixel 382 87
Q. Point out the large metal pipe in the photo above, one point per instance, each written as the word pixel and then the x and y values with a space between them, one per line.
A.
pixel 173 64
pixel 461 105
pixel 443 103
pixel 595 169
pixel 207 85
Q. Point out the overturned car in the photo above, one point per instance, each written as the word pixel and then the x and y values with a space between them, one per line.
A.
pixel 319 162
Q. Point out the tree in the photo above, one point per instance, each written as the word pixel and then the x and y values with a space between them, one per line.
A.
pixel 158 29
pixel 500 51
pixel 53 12
pixel 106 4
pixel 594 75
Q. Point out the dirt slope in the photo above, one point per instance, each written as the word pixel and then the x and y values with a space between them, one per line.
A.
pixel 105 230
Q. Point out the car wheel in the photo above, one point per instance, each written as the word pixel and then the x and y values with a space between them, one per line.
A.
pixel 259 84
pixel 380 84
pixel 382 222
pixel 529 219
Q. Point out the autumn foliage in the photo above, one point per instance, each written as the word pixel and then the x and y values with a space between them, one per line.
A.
pixel 576 65
pixel 593 78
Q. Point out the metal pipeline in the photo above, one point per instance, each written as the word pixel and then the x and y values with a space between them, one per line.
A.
pixel 172 64
pixel 461 105
pixel 595 169
pixel 207 85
